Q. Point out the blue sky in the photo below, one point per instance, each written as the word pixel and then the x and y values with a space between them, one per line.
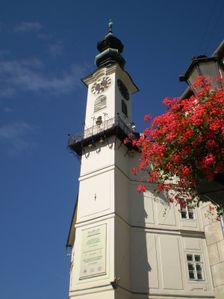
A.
pixel 46 47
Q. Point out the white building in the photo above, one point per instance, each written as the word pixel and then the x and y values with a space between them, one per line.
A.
pixel 127 245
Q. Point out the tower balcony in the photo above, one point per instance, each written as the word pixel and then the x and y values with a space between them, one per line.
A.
pixel 100 133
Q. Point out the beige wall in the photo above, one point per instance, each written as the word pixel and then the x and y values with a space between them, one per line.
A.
pixel 215 244
pixel 147 241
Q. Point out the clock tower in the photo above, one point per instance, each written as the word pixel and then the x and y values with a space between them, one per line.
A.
pixel 99 233
pixel 126 245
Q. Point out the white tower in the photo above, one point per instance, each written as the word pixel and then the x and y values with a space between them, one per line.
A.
pixel 123 244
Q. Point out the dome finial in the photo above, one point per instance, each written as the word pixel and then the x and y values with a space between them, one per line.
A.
pixel 110 49
pixel 110 24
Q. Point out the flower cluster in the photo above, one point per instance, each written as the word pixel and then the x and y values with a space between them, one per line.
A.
pixel 186 143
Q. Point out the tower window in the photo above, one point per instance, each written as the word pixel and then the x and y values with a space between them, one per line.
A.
pixel 124 108
pixel 194 265
pixel 100 103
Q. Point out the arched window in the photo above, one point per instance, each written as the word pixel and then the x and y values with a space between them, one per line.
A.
pixel 100 103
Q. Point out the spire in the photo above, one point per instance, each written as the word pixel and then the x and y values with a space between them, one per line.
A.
pixel 110 49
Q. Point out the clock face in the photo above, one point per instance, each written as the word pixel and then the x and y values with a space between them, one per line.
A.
pixel 101 84
pixel 123 89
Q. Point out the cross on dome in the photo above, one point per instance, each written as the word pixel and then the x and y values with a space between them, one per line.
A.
pixel 110 49
pixel 110 24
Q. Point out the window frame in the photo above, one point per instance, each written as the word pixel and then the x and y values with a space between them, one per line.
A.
pixel 188 212
pixel 100 103
pixel 196 266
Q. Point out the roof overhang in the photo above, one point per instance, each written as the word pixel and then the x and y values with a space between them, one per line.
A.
pixel 219 53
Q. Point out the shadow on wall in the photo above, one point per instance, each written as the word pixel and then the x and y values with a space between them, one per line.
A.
pixel 146 210
pixel 141 264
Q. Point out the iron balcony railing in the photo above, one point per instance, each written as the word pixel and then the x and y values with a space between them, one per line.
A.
pixel 104 126
pixel 113 126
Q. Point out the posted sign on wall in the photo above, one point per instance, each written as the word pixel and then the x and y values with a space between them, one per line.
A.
pixel 93 252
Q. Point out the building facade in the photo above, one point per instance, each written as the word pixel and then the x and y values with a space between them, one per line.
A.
pixel 127 245
pixel 214 233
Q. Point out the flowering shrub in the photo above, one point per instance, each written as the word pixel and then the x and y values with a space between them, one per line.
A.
pixel 185 144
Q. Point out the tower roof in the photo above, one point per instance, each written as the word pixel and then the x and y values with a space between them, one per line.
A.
pixel 110 49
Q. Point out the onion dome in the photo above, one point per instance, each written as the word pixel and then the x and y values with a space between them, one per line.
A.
pixel 110 49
